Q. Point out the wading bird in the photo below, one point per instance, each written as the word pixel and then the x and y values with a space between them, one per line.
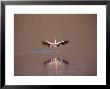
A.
pixel 55 44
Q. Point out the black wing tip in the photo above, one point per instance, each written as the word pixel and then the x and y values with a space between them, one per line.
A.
pixel 42 42
pixel 45 43
pixel 67 41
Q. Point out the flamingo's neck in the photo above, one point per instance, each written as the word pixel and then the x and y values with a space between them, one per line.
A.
pixel 55 41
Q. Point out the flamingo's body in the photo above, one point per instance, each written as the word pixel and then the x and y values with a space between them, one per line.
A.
pixel 55 44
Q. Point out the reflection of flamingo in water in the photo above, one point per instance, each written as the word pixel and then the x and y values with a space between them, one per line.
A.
pixel 56 61
pixel 56 66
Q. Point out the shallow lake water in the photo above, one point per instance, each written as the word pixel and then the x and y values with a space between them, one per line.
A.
pixel 80 53
pixel 38 63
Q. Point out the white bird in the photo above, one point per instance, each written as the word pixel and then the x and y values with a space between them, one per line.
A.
pixel 55 44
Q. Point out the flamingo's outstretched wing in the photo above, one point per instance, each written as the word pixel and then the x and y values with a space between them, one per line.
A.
pixel 46 43
pixel 62 43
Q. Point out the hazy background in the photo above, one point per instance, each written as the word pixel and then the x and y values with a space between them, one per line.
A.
pixel 81 52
